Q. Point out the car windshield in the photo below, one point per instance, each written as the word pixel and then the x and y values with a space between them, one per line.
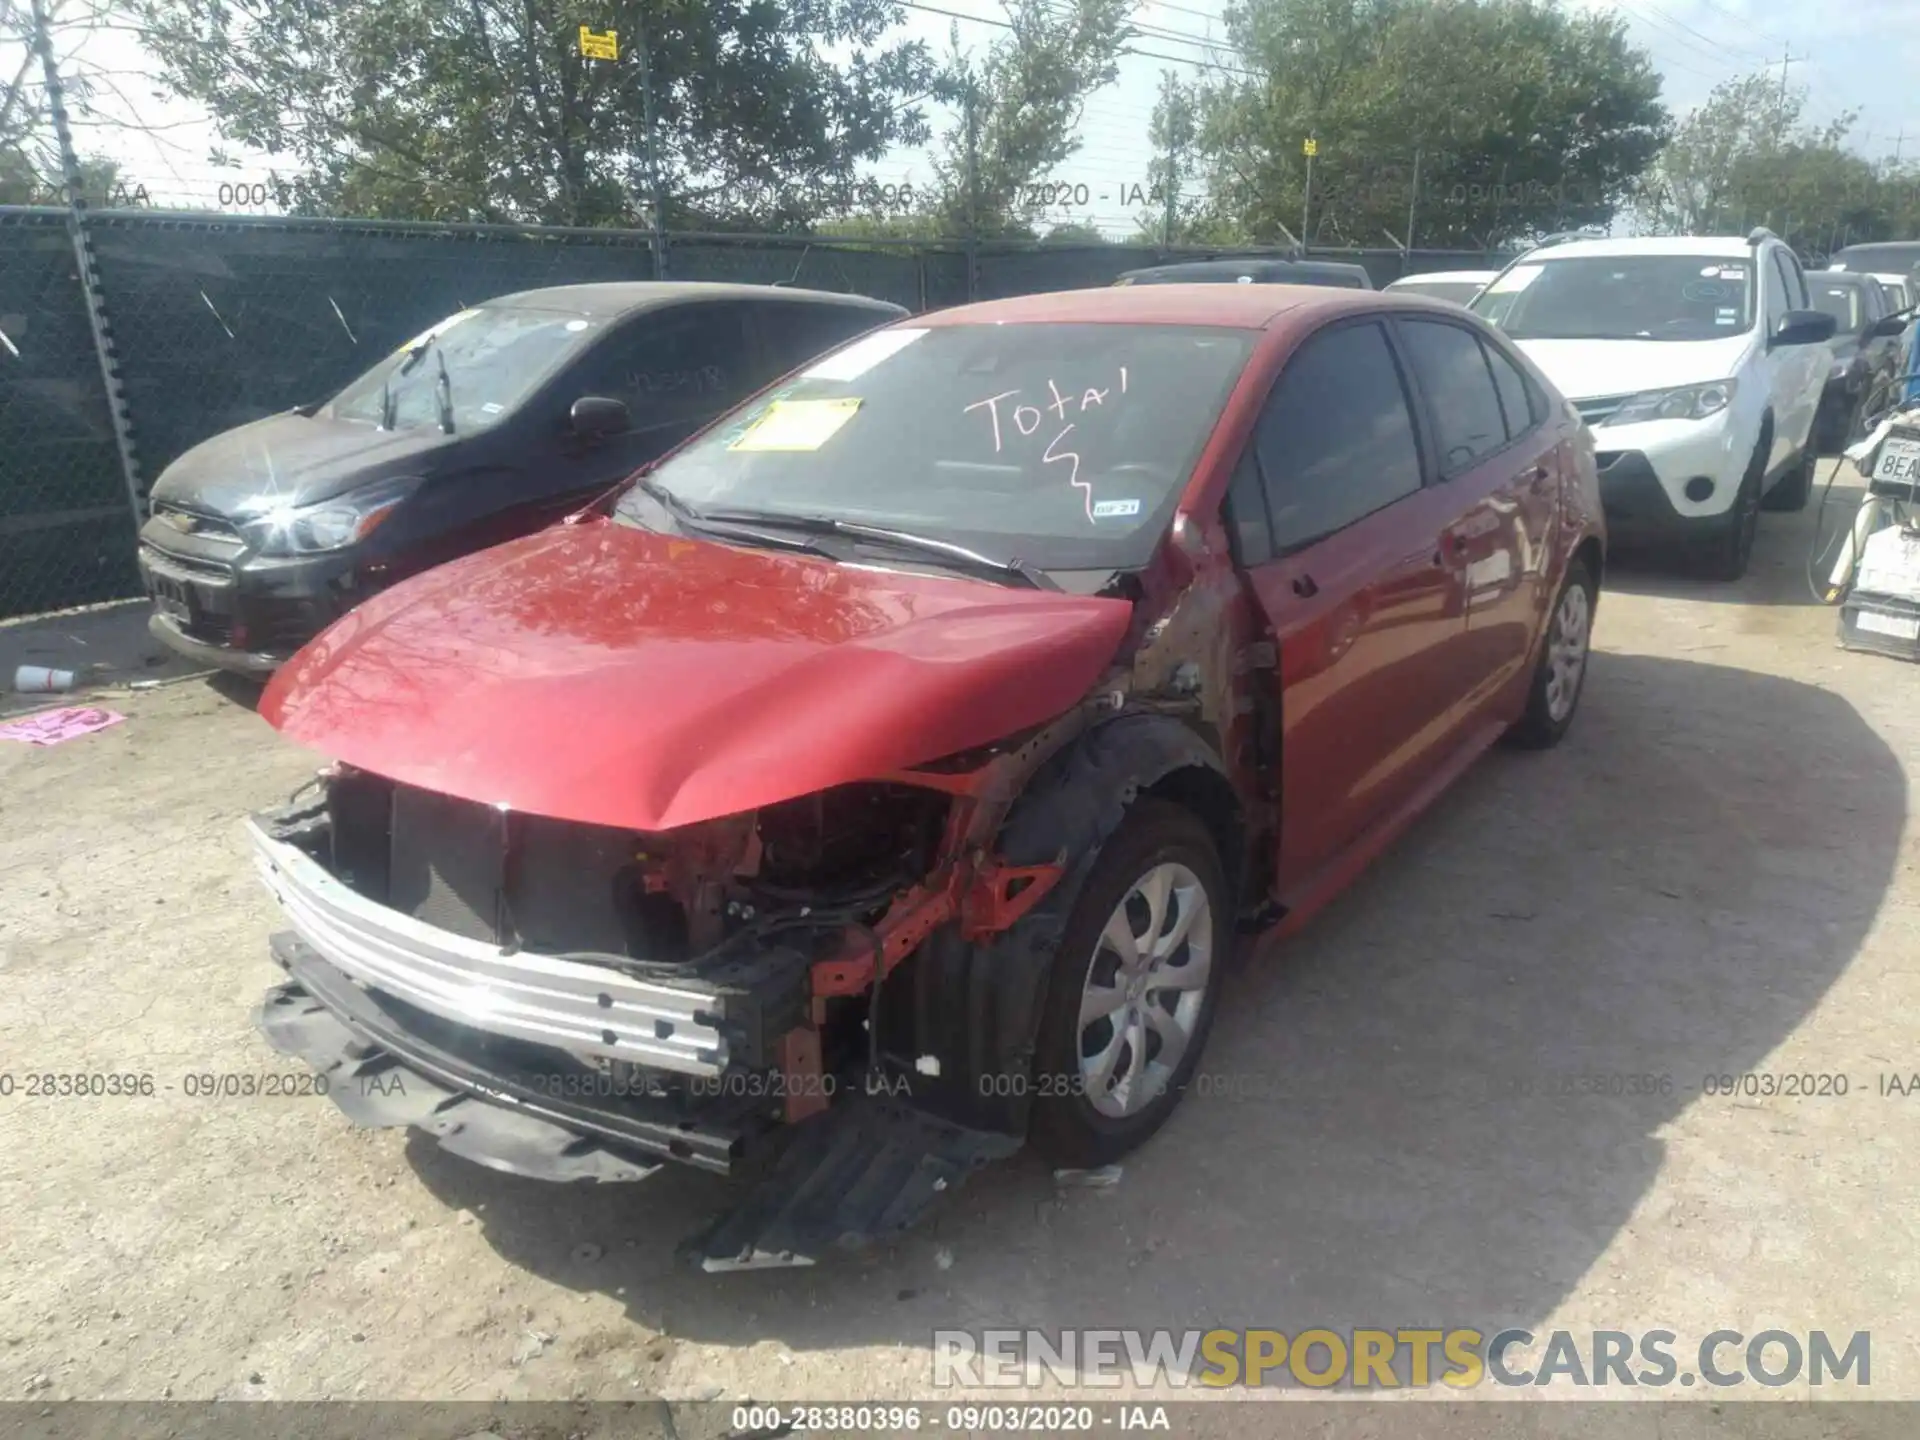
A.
pixel 495 357
pixel 1458 291
pixel 1896 257
pixel 1065 446
pixel 1622 297
pixel 1843 302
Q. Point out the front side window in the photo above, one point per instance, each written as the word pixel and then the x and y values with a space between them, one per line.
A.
pixel 1062 445
pixel 1626 297
pixel 494 358
pixel 682 363
pixel 1336 441
pixel 1843 302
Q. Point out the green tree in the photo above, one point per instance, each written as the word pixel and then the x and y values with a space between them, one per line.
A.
pixel 1488 120
pixel 1020 110
pixel 486 109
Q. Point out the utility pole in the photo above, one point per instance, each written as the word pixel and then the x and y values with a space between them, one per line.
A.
pixel 1898 141
pixel 1413 198
pixel 1787 57
pixel 1173 191
pixel 658 219
pixel 83 261
pixel 1310 147
pixel 973 185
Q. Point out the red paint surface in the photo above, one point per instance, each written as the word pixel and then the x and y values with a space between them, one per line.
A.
pixel 613 676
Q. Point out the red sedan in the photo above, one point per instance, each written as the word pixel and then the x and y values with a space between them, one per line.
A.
pixel 888 771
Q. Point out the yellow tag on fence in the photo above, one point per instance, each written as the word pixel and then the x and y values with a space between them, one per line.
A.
pixel 797 425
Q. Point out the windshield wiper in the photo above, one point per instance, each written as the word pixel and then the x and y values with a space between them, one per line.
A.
pixel 696 522
pixel 898 539
pixel 443 392
pixel 404 369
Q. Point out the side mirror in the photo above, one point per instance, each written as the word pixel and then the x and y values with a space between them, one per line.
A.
pixel 594 417
pixel 1886 325
pixel 1803 327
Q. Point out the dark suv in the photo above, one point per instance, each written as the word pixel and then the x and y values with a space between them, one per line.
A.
pixel 496 422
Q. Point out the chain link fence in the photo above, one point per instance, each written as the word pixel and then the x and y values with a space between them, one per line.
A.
pixel 66 531
pixel 220 320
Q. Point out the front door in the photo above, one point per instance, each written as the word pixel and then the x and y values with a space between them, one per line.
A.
pixel 1359 588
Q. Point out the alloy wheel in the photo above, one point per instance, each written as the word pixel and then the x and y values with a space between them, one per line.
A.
pixel 1145 989
pixel 1567 651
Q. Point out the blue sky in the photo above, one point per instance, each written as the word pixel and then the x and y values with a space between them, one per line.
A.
pixel 1856 54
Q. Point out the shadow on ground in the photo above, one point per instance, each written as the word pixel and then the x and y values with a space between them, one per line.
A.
pixel 1652 899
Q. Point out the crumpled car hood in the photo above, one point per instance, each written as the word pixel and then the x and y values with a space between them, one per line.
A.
pixel 604 674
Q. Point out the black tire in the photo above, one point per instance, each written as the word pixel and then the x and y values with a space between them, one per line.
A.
pixel 1066 1126
pixel 1796 485
pixel 1545 723
pixel 1727 553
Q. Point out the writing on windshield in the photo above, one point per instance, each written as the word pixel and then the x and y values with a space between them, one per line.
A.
pixel 1054 454
pixel 1009 439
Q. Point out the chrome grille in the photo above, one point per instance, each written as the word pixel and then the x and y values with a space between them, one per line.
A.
pixel 196 523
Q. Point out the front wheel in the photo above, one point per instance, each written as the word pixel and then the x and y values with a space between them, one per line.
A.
pixel 1131 995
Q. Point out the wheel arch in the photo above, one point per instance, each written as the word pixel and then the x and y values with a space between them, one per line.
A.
pixel 976 1008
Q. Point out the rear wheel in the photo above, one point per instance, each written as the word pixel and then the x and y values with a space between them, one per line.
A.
pixel 1132 990
pixel 1561 672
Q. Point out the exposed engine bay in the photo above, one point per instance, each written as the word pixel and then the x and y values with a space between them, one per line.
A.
pixel 559 887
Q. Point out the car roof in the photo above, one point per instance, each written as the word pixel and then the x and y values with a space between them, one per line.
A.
pixel 1248 265
pixel 608 299
pixel 1456 277
pixel 1859 279
pixel 1716 246
pixel 1248 307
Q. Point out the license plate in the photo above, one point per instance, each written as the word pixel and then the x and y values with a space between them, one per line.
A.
pixel 1899 460
pixel 1904 627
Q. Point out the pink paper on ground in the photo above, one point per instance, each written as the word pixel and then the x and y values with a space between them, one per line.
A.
pixel 50 727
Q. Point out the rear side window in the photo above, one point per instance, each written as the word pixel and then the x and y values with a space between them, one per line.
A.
pixel 1459 386
pixel 793 333
pixel 1517 401
pixel 684 363
pixel 1336 441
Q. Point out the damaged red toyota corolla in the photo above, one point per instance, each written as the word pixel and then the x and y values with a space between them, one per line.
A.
pixel 881 780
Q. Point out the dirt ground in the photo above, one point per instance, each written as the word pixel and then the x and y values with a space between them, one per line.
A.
pixel 1716 874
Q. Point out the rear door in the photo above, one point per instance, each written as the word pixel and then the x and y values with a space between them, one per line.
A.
pixel 1499 470
pixel 1350 572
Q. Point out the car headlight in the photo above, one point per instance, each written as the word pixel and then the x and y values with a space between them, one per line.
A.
pixel 280 529
pixel 1688 402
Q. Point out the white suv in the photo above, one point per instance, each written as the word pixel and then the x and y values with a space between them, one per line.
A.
pixel 1698 363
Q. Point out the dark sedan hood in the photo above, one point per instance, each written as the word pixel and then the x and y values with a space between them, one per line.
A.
pixel 294 459
pixel 618 677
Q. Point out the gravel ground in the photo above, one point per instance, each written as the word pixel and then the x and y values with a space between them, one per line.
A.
pixel 1715 874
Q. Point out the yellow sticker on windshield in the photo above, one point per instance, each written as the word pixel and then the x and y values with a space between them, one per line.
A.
pixel 797 425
